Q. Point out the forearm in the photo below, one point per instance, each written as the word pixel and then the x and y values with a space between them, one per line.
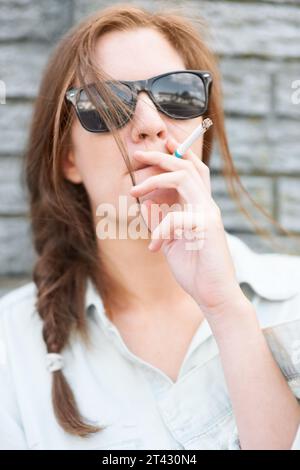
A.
pixel 266 411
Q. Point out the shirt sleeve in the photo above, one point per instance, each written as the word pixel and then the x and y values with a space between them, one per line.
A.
pixel 12 436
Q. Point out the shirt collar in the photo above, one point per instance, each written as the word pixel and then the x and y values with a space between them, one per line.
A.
pixel 272 276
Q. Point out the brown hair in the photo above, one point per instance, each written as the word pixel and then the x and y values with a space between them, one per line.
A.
pixel 60 212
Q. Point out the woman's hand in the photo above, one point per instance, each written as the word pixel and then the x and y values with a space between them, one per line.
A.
pixel 204 268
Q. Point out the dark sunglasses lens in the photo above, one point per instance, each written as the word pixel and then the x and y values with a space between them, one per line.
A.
pixel 180 94
pixel 89 116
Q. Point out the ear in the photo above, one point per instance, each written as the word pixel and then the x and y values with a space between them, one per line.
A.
pixel 70 169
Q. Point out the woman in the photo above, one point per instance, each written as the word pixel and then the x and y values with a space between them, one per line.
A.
pixel 114 345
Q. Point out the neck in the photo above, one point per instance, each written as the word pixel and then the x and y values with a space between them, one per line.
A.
pixel 143 279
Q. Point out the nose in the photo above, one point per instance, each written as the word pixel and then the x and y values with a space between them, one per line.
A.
pixel 147 122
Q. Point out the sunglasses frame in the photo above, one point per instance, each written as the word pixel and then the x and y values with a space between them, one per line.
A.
pixel 145 85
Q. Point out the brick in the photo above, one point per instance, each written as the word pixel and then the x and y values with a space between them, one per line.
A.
pixel 285 146
pixel 34 19
pixel 289 203
pixel 246 86
pixel 21 67
pixel 16 251
pixel 248 28
pixel 14 124
pixel 12 188
pixel 284 105
pixel 260 189
pixel 261 145
pixel 84 8
pixel 248 144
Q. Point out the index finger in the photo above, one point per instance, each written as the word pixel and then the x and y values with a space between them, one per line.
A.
pixel 172 144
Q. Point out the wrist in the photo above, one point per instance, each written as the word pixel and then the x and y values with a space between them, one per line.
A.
pixel 231 314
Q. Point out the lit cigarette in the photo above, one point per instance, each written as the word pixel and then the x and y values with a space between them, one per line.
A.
pixel 180 151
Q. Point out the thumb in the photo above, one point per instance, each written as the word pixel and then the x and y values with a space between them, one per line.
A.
pixel 172 144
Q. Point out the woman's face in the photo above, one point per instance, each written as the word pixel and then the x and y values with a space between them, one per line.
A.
pixel 95 159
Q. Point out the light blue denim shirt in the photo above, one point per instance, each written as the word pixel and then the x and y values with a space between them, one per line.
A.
pixel 141 407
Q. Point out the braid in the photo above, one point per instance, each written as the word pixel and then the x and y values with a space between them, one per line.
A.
pixel 60 305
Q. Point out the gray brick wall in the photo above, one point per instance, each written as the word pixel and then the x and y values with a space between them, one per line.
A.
pixel 258 43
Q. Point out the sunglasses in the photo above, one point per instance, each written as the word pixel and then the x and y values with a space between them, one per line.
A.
pixel 180 95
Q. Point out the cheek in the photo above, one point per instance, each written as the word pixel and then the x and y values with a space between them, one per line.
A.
pixel 106 183
pixel 104 186
pixel 197 148
pixel 100 167
pixel 102 170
